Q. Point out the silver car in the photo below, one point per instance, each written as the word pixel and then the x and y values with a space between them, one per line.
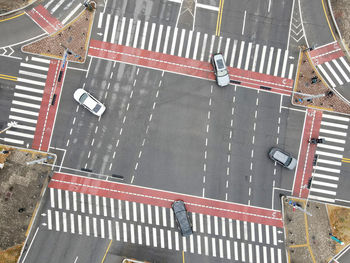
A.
pixel 220 70
pixel 88 101
pixel 282 158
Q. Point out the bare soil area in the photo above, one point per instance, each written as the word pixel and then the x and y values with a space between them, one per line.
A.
pixel 74 36
pixel 307 234
pixel 9 5
pixel 20 191
pixel 315 95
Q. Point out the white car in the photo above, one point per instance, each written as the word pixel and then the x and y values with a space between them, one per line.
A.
pixel 88 101
pixel 220 70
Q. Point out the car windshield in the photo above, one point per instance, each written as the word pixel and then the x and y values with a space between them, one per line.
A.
pixel 220 64
pixel 222 73
pixel 97 108
pixel 83 98
pixel 288 161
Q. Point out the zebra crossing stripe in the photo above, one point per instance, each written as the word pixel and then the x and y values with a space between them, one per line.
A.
pixel 331 170
pixel 117 231
pixel 196 46
pixel 334 73
pixel 170 246
pixel 17 118
pixel 323 191
pixel 226 48
pixel 324 199
pixel 26 104
pixel 25 96
pixel 246 66
pixel 87 225
pixel 114 30
pixel 128 36
pixel 27 65
pixel 41 60
pixel 53 10
pixel 132 233
pixel 243 252
pixel 269 62
pixel 172 50
pixel 332 124
pixel 105 34
pixel 240 55
pixel 213 244
pixel 199 245
pixel 167 34
pixel 19 87
pixel 143 36
pixel 277 62
pixel 327 76
pixel 255 59
pixel 203 47
pixel 257 252
pixel 234 49
pixel 323 176
pixel 262 60
pixel 64 21
pixel 64 220
pixel 24 127
pixel 136 37
pixel 284 65
pixel 57 220
pixel 182 38
pixel 329 162
pixel 335 117
pixel 32 74
pixel 335 62
pixel 150 43
pixel 49 220
pixel 333 132
pixel 328 139
pixel 99 24
pixel 13 141
pixel 188 48
pixel 139 231
pixel 331 147
pixel 160 32
pixel 32 113
pixel 211 46
pixel 121 35
pixel 315 182
pixel 346 65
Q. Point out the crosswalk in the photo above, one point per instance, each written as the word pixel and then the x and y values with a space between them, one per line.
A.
pixel 327 167
pixel 27 99
pixel 336 72
pixel 150 225
pixel 64 10
pixel 194 45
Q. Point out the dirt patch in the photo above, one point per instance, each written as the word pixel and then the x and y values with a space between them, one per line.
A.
pixel 20 189
pixel 10 255
pixel 340 222
pixel 307 234
pixel 7 6
pixel 74 36
pixel 315 95
pixel 341 12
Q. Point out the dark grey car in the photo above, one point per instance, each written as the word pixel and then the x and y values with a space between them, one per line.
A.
pixel 182 219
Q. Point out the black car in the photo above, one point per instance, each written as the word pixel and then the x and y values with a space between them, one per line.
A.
pixel 182 219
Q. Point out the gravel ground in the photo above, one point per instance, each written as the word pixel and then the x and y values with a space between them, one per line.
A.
pixel 341 11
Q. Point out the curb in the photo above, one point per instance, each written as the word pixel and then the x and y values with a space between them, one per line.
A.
pixel 18 9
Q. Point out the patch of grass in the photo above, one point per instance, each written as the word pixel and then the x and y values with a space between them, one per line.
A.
pixel 10 255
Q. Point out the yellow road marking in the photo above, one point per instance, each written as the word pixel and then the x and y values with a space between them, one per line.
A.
pixel 219 18
pixel 301 245
pixel 6 19
pixel 8 76
pixel 13 79
pixel 183 256
pixel 104 257
pixel 346 159
pixel 329 25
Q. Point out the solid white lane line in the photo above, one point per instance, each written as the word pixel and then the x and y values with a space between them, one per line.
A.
pixel 327 169
pixel 284 66
pixel 26 104
pixel 334 73
pixel 173 43
pixel 32 113
pixel 166 41
pixel 41 60
pixel 328 139
pixel 246 66
pixel 327 76
pixel 333 132
pixel 128 36
pixel 323 176
pixel 27 65
pixel 151 38
pixel 32 74
pixel 332 124
pixel 65 20
pixel 324 199
pixel 114 30
pixel 144 34
pixel 19 87
pixel 328 192
pixel 136 35
pixel 182 38
pixel 234 49
pixel 345 76
pixel 277 62
pixel 262 60
pixel 240 56
pixel 315 182
pixel 335 117
pixel 269 62
pixel 20 134
pixel 121 35
pixel 117 231
pixel 25 96
pixel 256 51
pixel 329 162
pixel 331 147
pixel 159 37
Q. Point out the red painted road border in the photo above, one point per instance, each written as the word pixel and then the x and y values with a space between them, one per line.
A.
pixel 311 129
pixel 44 19
pixel 47 113
pixel 326 53
pixel 186 66
pixel 164 199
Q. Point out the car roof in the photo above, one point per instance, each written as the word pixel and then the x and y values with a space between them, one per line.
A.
pixel 281 156
pixel 90 103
